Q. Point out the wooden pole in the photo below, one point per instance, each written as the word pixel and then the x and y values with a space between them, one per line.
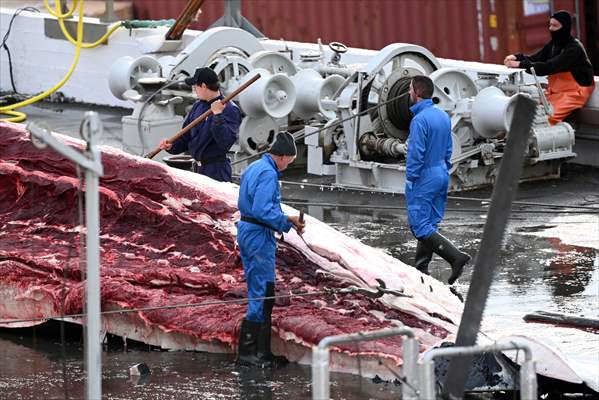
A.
pixel 202 117
pixel 184 19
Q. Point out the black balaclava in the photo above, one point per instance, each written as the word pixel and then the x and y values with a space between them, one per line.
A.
pixel 562 35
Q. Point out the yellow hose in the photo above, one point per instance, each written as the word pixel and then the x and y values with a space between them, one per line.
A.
pixel 68 36
pixel 57 14
pixel 17 116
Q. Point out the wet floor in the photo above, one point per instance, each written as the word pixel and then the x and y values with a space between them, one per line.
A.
pixel 37 368
pixel 549 261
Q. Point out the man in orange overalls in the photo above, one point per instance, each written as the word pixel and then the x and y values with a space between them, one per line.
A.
pixel 566 62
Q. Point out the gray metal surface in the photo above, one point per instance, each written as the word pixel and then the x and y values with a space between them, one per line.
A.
pixel 91 31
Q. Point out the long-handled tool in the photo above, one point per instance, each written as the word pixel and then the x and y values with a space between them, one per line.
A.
pixel 301 219
pixel 546 105
pixel 205 115
pixel 380 290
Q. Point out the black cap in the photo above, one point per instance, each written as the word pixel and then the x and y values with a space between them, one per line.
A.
pixel 284 145
pixel 202 75
pixel 564 18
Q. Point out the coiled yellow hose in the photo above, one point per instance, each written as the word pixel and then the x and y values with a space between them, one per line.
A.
pixel 17 116
pixel 68 36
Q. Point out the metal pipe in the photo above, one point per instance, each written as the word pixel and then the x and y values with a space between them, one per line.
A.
pixel 546 105
pixel 91 161
pixel 410 391
pixel 330 70
pixel 320 356
pixel 427 379
pixel 528 381
pixel 92 222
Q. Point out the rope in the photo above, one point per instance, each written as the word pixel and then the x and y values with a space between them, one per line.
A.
pixel 327 291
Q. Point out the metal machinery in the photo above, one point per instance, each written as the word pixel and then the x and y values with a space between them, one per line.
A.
pixel 314 92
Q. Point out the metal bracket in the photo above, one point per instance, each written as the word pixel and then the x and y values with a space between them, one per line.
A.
pixel 45 137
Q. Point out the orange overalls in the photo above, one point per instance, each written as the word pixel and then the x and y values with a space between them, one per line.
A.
pixel 565 95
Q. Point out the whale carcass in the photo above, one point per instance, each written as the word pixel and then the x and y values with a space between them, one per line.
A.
pixel 168 237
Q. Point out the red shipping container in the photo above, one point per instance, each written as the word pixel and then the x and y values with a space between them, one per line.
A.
pixel 475 30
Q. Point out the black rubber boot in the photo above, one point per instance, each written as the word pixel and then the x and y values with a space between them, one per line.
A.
pixel 265 335
pixel 446 250
pixel 264 343
pixel 247 351
pixel 424 254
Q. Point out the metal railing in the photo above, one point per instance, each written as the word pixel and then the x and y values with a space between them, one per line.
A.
pixel 320 360
pixel 528 377
pixel 418 377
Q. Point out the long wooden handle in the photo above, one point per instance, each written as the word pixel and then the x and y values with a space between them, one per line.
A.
pixel 184 19
pixel 202 117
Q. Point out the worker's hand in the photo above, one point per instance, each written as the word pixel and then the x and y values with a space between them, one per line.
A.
pixel 512 64
pixel 165 145
pixel 511 57
pixel 217 107
pixel 297 224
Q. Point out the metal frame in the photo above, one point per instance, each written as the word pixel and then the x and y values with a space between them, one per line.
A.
pixel 91 162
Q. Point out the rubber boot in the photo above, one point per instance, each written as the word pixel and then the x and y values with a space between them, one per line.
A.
pixel 446 250
pixel 424 254
pixel 264 343
pixel 265 336
pixel 247 351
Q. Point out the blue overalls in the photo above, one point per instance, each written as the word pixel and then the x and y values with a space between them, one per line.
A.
pixel 428 161
pixel 209 141
pixel 260 199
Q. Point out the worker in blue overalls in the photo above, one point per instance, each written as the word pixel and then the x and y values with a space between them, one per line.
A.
pixel 209 141
pixel 427 164
pixel 261 216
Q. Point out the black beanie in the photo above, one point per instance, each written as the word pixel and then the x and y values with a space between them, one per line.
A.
pixel 564 18
pixel 284 145
pixel 202 75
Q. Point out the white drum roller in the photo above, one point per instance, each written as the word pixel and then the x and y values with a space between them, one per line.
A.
pixel 312 89
pixel 492 112
pixel 257 134
pixel 273 61
pixel 272 95
pixel 451 86
pixel 125 73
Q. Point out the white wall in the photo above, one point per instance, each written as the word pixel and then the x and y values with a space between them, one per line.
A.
pixel 40 62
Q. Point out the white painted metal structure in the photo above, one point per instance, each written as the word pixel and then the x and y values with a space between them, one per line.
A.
pixel 92 163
